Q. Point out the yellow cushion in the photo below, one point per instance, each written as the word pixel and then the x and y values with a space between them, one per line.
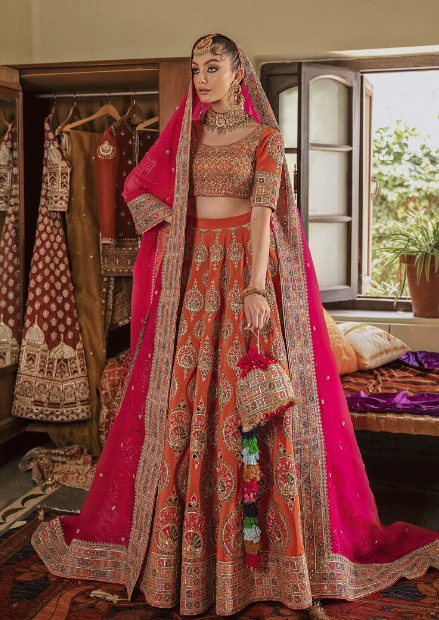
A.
pixel 343 352
pixel 373 346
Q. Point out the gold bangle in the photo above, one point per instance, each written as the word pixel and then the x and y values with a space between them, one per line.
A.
pixel 253 289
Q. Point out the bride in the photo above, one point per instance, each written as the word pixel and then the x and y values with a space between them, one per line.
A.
pixel 223 257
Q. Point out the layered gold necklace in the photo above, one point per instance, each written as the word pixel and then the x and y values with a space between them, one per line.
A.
pixel 225 121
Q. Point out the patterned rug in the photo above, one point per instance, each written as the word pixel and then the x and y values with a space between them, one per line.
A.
pixel 29 592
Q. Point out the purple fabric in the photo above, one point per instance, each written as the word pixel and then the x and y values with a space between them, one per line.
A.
pixel 421 359
pixel 422 403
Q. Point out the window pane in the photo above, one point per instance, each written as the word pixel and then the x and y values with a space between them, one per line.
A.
pixel 288 107
pixel 328 112
pixel 328 183
pixel 328 245
pixel 291 162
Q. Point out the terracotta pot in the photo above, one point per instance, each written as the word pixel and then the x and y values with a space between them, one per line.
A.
pixel 425 296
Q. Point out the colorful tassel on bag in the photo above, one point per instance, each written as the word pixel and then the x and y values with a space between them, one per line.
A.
pixel 263 391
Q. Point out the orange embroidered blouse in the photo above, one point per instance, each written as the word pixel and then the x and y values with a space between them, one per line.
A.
pixel 247 168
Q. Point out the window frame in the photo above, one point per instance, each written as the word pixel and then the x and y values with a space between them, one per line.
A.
pixel 372 64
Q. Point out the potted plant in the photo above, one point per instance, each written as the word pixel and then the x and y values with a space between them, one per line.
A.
pixel 415 246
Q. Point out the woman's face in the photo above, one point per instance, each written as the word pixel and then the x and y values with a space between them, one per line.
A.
pixel 212 76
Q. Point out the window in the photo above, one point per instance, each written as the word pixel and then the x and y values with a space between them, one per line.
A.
pixel 325 112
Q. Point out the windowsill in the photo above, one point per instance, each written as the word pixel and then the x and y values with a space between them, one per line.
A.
pixel 380 316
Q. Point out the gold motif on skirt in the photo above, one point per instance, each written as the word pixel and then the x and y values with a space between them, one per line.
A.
pixel 198 440
pixel 194 531
pixel 234 301
pixel 216 253
pixel 212 301
pixel 187 357
pixel 226 481
pixel 276 528
pixel 178 429
pixel 205 359
pixel 194 300
pixel 285 477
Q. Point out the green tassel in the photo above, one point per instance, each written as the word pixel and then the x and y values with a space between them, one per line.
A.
pixel 249 522
pixel 252 445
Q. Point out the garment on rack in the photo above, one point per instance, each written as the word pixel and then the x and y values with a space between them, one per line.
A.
pixel 118 151
pixel 10 311
pixel 52 383
pixel 82 234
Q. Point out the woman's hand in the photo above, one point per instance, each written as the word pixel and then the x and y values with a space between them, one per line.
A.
pixel 168 219
pixel 257 311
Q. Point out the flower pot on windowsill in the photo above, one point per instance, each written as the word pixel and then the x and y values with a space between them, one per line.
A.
pixel 425 295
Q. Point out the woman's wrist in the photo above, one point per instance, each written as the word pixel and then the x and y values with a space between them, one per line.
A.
pixel 258 284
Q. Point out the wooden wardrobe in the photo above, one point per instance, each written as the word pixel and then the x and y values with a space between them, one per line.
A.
pixel 157 85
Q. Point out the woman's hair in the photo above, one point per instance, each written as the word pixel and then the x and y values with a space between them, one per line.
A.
pixel 223 46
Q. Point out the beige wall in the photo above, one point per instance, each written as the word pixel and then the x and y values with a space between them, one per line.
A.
pixel 62 30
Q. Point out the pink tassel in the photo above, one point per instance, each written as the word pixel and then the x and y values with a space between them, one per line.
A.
pixel 252 560
pixel 253 359
pixel 249 498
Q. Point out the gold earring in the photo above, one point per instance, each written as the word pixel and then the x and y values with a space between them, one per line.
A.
pixel 201 112
pixel 235 101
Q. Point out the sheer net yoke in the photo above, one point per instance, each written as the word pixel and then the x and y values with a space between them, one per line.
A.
pixel 248 168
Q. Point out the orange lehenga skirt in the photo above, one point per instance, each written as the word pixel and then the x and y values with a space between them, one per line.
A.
pixel 196 552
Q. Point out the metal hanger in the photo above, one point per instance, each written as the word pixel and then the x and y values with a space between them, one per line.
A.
pixel 135 112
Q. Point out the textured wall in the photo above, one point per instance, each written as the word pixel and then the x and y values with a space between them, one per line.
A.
pixel 61 30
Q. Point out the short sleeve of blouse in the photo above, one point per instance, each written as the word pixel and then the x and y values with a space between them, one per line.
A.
pixel 268 173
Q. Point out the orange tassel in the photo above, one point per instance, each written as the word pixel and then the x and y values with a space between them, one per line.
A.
pixel 251 547
pixel 251 472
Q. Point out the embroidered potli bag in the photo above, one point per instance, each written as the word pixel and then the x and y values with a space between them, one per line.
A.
pixel 263 391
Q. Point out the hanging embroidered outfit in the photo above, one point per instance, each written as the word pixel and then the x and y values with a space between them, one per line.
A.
pixel 52 383
pixel 321 534
pixel 118 151
pixel 82 238
pixel 10 273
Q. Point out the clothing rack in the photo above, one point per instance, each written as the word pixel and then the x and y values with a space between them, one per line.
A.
pixel 130 93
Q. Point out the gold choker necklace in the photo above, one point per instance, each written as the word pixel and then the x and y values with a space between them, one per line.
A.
pixel 223 122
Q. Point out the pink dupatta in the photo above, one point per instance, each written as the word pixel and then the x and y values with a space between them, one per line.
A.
pixel 349 552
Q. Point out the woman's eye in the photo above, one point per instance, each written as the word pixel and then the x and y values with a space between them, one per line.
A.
pixel 212 69
pixel 194 71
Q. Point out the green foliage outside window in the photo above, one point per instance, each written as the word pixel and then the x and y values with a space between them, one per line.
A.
pixel 407 171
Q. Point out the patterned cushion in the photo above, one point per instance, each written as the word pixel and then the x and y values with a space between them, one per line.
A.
pixel 344 354
pixel 373 346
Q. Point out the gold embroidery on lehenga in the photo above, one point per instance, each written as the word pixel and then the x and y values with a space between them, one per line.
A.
pixel 198 438
pixel 208 480
pixel 194 300
pixel 276 529
pixel 231 533
pixel 205 359
pixel 58 180
pixel 284 471
pixel 178 429
pixel 8 345
pixel 226 481
pixel 183 477
pixel 5 176
pixel 234 354
pixel 212 300
pixel 187 356
pixel 194 532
